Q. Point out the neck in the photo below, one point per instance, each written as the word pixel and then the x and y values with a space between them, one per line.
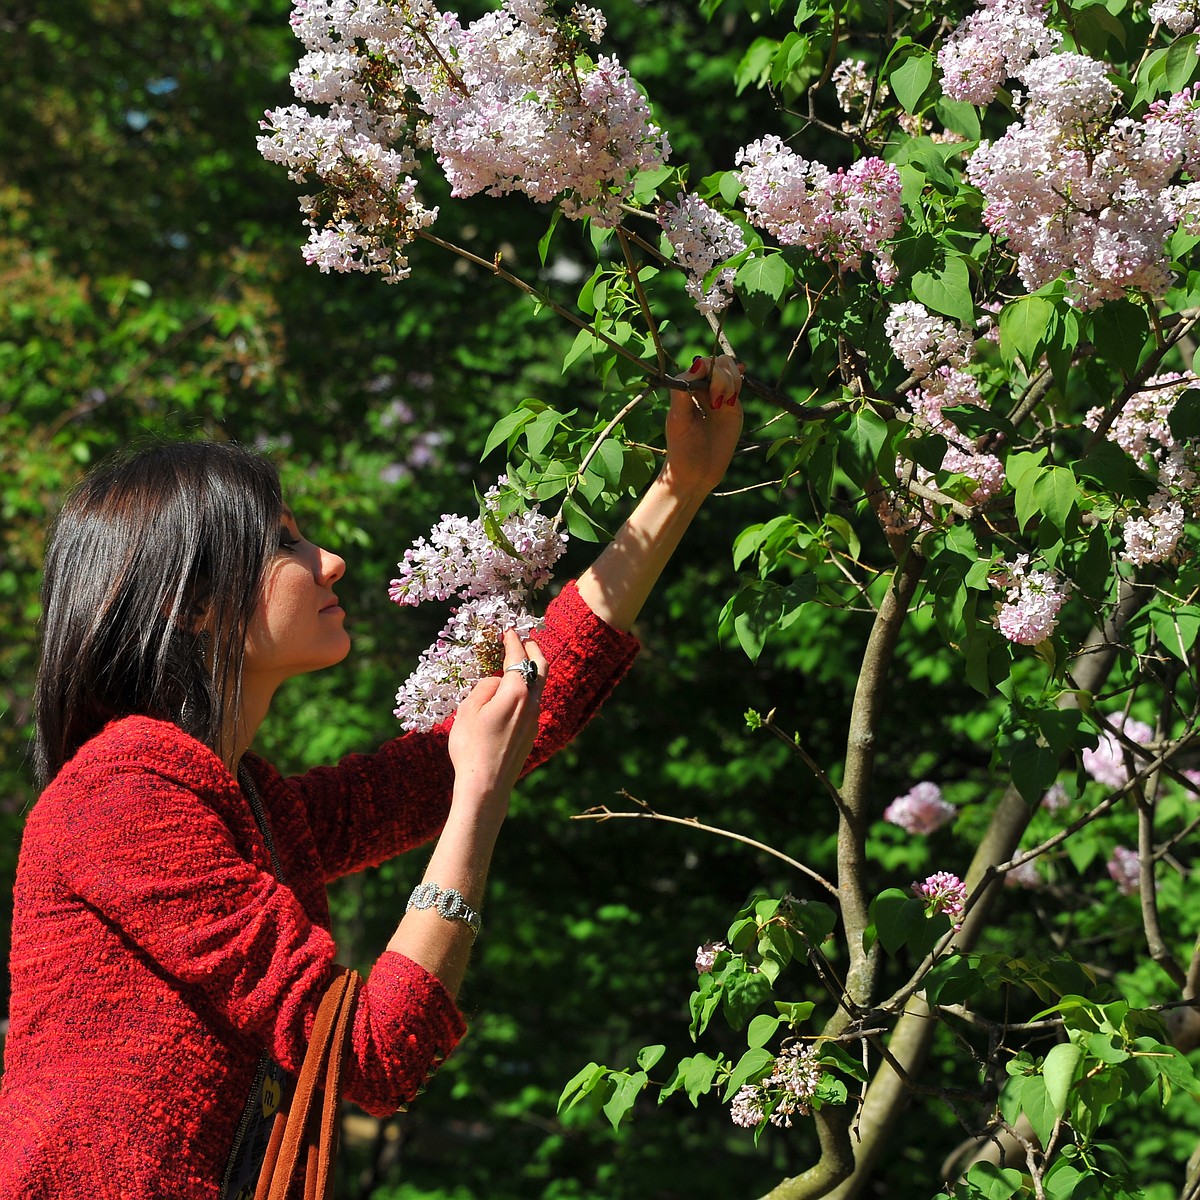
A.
pixel 238 738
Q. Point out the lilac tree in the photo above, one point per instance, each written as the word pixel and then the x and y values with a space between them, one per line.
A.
pixel 960 272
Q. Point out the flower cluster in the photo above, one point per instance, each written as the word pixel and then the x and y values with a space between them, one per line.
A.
pixel 1104 195
pixel 943 893
pixel 992 45
pixel 506 103
pixel 1142 429
pixel 923 342
pixel 702 238
pixel 1124 869
pixel 1106 764
pixel 706 955
pixel 1029 614
pixel 842 216
pixel 787 1092
pixel 1179 16
pixel 492 564
pixel 934 351
pixel 921 809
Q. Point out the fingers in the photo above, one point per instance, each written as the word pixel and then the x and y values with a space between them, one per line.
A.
pixel 524 663
pixel 724 374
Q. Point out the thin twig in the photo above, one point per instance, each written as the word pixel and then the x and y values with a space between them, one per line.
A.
pixel 635 276
pixel 603 813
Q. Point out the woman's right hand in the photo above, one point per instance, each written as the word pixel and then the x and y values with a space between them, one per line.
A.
pixel 494 729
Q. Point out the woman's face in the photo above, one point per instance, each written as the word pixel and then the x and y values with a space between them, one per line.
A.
pixel 298 625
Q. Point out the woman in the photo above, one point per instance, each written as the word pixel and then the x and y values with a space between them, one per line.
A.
pixel 171 933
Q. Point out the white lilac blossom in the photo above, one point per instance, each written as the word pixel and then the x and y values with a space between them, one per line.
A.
pixel 921 809
pixel 1179 16
pixel 1124 870
pixel 923 342
pixel 706 955
pixel 702 238
pixel 1106 763
pixel 991 45
pixel 842 216
pixel 492 564
pixel 943 893
pixel 506 103
pixel 1029 614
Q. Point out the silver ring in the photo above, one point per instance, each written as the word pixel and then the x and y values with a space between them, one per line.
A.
pixel 528 669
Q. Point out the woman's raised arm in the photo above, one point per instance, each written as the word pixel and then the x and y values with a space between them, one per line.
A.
pixel 702 433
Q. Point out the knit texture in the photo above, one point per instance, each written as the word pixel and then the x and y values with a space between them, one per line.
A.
pixel 155 956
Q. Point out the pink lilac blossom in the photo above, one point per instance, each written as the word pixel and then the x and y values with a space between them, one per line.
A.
pixel 701 238
pixel 1124 869
pixel 1142 429
pixel 840 216
pixel 1029 614
pixel 943 893
pixel 1055 797
pixel 471 560
pixel 921 809
pixel 991 45
pixel 505 103
pixel 1106 763
pixel 1024 876
pixel 796 1076
pixel 946 387
pixel 706 955
pixel 749 1106
pixel 1079 193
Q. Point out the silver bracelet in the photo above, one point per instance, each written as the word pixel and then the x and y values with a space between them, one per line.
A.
pixel 448 903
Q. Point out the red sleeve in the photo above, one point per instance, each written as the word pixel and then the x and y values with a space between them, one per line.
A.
pixel 371 807
pixel 159 861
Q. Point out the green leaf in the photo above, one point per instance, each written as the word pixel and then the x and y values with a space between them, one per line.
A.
pixel 761 283
pixel 625 1093
pixel 795 1012
pixel 1184 420
pixel 862 443
pixel 648 1056
pixel 544 240
pixel 506 430
pixel 1181 62
pixel 911 79
pixel 743 992
pixel 695 1075
pixel 1035 1103
pixel 581 1084
pixel 1058 1070
pixel 1033 770
pixel 750 1068
pixel 1176 629
pixel 947 291
pixel 1023 329
pixel 895 915
pixel 986 1181
pixel 1121 331
pixel 579 524
pixel 762 1029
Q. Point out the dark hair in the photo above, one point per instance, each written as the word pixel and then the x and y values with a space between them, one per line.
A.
pixel 152 575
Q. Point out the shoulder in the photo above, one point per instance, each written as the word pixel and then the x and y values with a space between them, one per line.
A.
pixel 143 746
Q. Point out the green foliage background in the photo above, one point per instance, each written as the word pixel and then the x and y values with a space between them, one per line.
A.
pixel 151 284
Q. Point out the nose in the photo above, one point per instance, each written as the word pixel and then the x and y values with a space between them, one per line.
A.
pixel 331 567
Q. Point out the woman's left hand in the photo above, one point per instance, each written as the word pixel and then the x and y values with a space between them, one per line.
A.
pixel 703 426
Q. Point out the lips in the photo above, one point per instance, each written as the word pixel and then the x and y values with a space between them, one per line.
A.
pixel 331 605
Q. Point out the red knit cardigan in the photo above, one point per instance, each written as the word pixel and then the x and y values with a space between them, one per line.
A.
pixel 155 956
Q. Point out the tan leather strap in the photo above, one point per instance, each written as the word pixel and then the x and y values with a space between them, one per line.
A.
pixel 310 1124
